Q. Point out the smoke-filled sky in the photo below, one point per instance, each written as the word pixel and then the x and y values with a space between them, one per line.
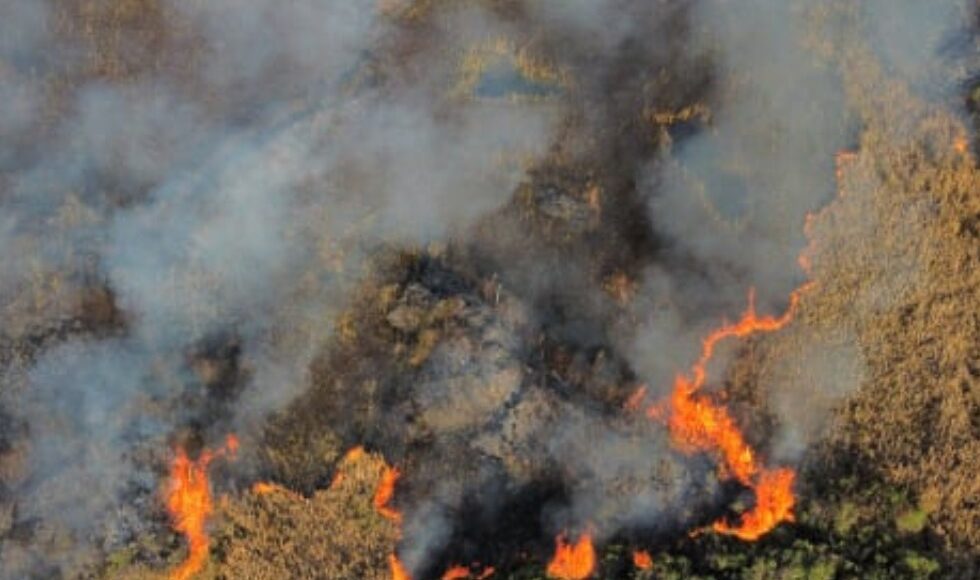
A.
pixel 224 171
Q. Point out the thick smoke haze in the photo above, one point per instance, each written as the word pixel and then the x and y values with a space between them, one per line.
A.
pixel 233 202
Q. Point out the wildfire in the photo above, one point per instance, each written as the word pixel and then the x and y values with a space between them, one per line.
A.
pixel 961 145
pixel 698 424
pixel 189 504
pixel 462 573
pixel 385 492
pixel 398 571
pixel 572 561
pixel 351 456
pixel 269 488
pixel 774 503
pixel 456 573
pixel 642 560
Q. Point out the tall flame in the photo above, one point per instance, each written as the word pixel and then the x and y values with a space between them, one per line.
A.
pixel 189 503
pixel 572 561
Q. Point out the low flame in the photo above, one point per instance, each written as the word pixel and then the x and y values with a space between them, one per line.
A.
pixel 351 456
pixel 642 560
pixel 189 503
pixel 456 573
pixel 398 571
pixel 572 561
pixel 269 488
pixel 383 495
pixel 385 492
pixel 463 573
pixel 774 503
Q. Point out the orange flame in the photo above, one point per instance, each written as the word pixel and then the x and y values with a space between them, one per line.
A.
pixel 961 145
pixel 385 492
pixel 268 488
pixel 398 571
pixel 351 456
pixel 774 503
pixel 642 560
pixel 572 561
pixel 189 504
pixel 456 573
pixel 698 424
pixel 265 488
pixel 462 573
pixel 383 495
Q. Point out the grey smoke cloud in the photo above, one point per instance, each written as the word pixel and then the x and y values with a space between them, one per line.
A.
pixel 207 209
pixel 204 224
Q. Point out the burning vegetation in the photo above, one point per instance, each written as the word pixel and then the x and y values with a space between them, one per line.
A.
pixel 467 281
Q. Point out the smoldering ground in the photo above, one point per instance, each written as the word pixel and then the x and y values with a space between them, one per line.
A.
pixel 228 200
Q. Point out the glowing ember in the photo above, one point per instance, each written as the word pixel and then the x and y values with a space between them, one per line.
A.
pixel 572 561
pixel 384 493
pixel 398 571
pixel 961 145
pixel 456 573
pixel 462 573
pixel 189 504
pixel 268 488
pixel 265 488
pixel 642 560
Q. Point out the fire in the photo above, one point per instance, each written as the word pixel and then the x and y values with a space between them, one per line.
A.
pixel 398 571
pixel 351 456
pixel 265 488
pixel 961 145
pixel 642 560
pixel 268 488
pixel 698 424
pixel 774 504
pixel 572 561
pixel 456 573
pixel 462 573
pixel 189 504
pixel 385 492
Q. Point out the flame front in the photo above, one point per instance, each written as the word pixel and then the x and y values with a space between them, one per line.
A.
pixel 189 503
pixel 572 561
